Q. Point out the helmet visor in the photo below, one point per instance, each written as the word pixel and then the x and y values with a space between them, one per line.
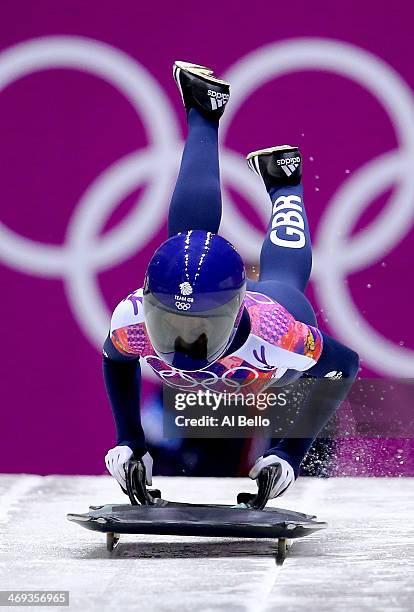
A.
pixel 186 340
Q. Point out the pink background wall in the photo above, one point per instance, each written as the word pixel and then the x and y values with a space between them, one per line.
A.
pixel 87 121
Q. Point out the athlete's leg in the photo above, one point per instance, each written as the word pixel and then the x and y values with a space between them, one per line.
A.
pixel 286 255
pixel 196 201
pixel 290 297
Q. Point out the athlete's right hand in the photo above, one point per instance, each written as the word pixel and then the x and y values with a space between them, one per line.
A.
pixel 115 461
pixel 285 475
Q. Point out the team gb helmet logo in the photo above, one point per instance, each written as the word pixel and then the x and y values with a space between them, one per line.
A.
pixel 186 288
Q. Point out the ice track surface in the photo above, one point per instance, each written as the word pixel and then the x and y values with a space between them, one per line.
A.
pixel 363 561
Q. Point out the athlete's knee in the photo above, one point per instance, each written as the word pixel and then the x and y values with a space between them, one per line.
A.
pixel 353 363
pixel 290 298
pixel 348 362
pixel 337 360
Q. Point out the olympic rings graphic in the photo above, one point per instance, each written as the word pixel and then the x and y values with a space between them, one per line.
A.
pixel 186 381
pixel 85 253
pixel 182 305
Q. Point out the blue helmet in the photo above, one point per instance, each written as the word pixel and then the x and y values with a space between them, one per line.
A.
pixel 193 298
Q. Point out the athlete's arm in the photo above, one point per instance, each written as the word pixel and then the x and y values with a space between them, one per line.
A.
pixel 122 374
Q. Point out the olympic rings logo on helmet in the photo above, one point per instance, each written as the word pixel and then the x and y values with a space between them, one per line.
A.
pixel 78 265
pixel 182 305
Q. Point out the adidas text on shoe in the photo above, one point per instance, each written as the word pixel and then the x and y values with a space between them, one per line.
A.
pixel 200 89
pixel 277 166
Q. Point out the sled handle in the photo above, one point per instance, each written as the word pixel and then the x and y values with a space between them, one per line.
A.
pixel 265 481
pixel 136 484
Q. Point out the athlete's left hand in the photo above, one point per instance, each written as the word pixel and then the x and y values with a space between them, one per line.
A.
pixel 286 474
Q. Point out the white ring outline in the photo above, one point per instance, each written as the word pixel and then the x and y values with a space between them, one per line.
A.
pixel 388 87
pixel 258 67
pixel 113 66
